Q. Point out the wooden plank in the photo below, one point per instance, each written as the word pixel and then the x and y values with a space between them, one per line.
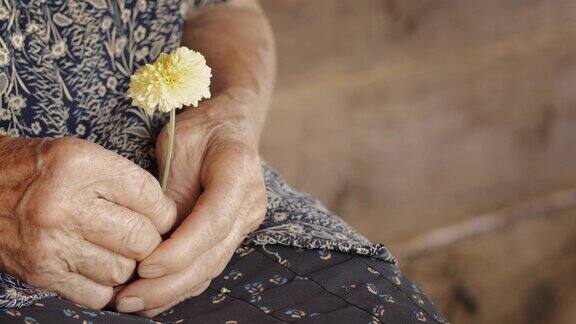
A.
pixel 417 117
pixel 520 274
pixel 409 115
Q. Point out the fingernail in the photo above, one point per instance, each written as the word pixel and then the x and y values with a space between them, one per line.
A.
pixel 151 271
pixel 130 304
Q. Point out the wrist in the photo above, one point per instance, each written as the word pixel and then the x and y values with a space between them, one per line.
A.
pixel 233 114
pixel 18 166
pixel 251 107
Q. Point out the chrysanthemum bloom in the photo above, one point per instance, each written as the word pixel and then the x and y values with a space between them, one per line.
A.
pixel 178 79
pixel 174 80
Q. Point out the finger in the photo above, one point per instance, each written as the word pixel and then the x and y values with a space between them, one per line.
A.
pixel 158 292
pixel 210 222
pixel 120 230
pixel 84 291
pixel 192 293
pixel 136 189
pixel 115 292
pixel 103 266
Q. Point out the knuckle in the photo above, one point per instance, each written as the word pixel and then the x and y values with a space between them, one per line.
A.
pixel 45 205
pixel 47 210
pixel 66 152
pixel 148 192
pixel 32 274
pixel 199 290
pixel 38 265
pixel 34 278
pixel 147 186
pixel 168 216
pixel 139 240
pixel 185 130
pixel 121 270
pixel 219 267
pixel 218 261
pixel 220 227
pixel 68 286
pixel 100 300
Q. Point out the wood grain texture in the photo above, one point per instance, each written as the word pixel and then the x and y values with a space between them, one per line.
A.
pixel 408 115
pixel 520 274
pixel 412 116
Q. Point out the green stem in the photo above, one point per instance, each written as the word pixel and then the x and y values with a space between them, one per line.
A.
pixel 171 131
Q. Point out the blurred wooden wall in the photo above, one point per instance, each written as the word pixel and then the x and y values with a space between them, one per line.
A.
pixel 447 130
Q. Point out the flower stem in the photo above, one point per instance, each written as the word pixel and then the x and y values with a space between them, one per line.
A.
pixel 171 131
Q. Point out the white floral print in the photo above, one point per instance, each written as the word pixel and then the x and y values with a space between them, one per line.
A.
pixel 59 49
pixel 4 13
pixel 126 15
pixel 140 33
pixel 5 115
pixel 80 129
pixel 142 5
pixel 65 63
pixel 32 28
pixel 16 102
pixel 106 23
pixel 4 57
pixel 141 53
pixel 111 83
pixel 17 40
pixel 36 128
pixel 68 73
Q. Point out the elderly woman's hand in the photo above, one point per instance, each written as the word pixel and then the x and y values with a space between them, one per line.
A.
pixel 75 218
pixel 216 180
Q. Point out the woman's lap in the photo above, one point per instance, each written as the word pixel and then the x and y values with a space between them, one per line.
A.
pixel 272 284
pixel 271 280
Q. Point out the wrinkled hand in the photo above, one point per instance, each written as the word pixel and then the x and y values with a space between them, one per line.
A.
pixel 217 183
pixel 75 218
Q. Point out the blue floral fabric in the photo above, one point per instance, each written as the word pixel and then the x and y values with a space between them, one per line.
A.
pixel 64 71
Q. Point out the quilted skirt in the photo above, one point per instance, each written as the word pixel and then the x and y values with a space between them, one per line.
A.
pixel 303 264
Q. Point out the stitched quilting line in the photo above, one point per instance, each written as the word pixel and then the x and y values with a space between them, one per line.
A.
pixel 349 257
pixel 249 303
pixel 398 288
pixel 294 280
pixel 325 289
pixel 276 263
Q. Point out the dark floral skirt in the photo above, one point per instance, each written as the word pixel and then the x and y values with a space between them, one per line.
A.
pixel 275 284
pixel 303 263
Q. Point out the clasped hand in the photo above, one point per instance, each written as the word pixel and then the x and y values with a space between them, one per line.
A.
pixel 80 220
pixel 75 218
pixel 217 183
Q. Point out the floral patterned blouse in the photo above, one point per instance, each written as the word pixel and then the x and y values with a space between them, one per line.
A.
pixel 64 71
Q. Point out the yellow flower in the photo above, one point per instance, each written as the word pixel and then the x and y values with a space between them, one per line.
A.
pixel 174 80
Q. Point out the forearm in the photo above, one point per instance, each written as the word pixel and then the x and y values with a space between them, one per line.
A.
pixel 237 42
